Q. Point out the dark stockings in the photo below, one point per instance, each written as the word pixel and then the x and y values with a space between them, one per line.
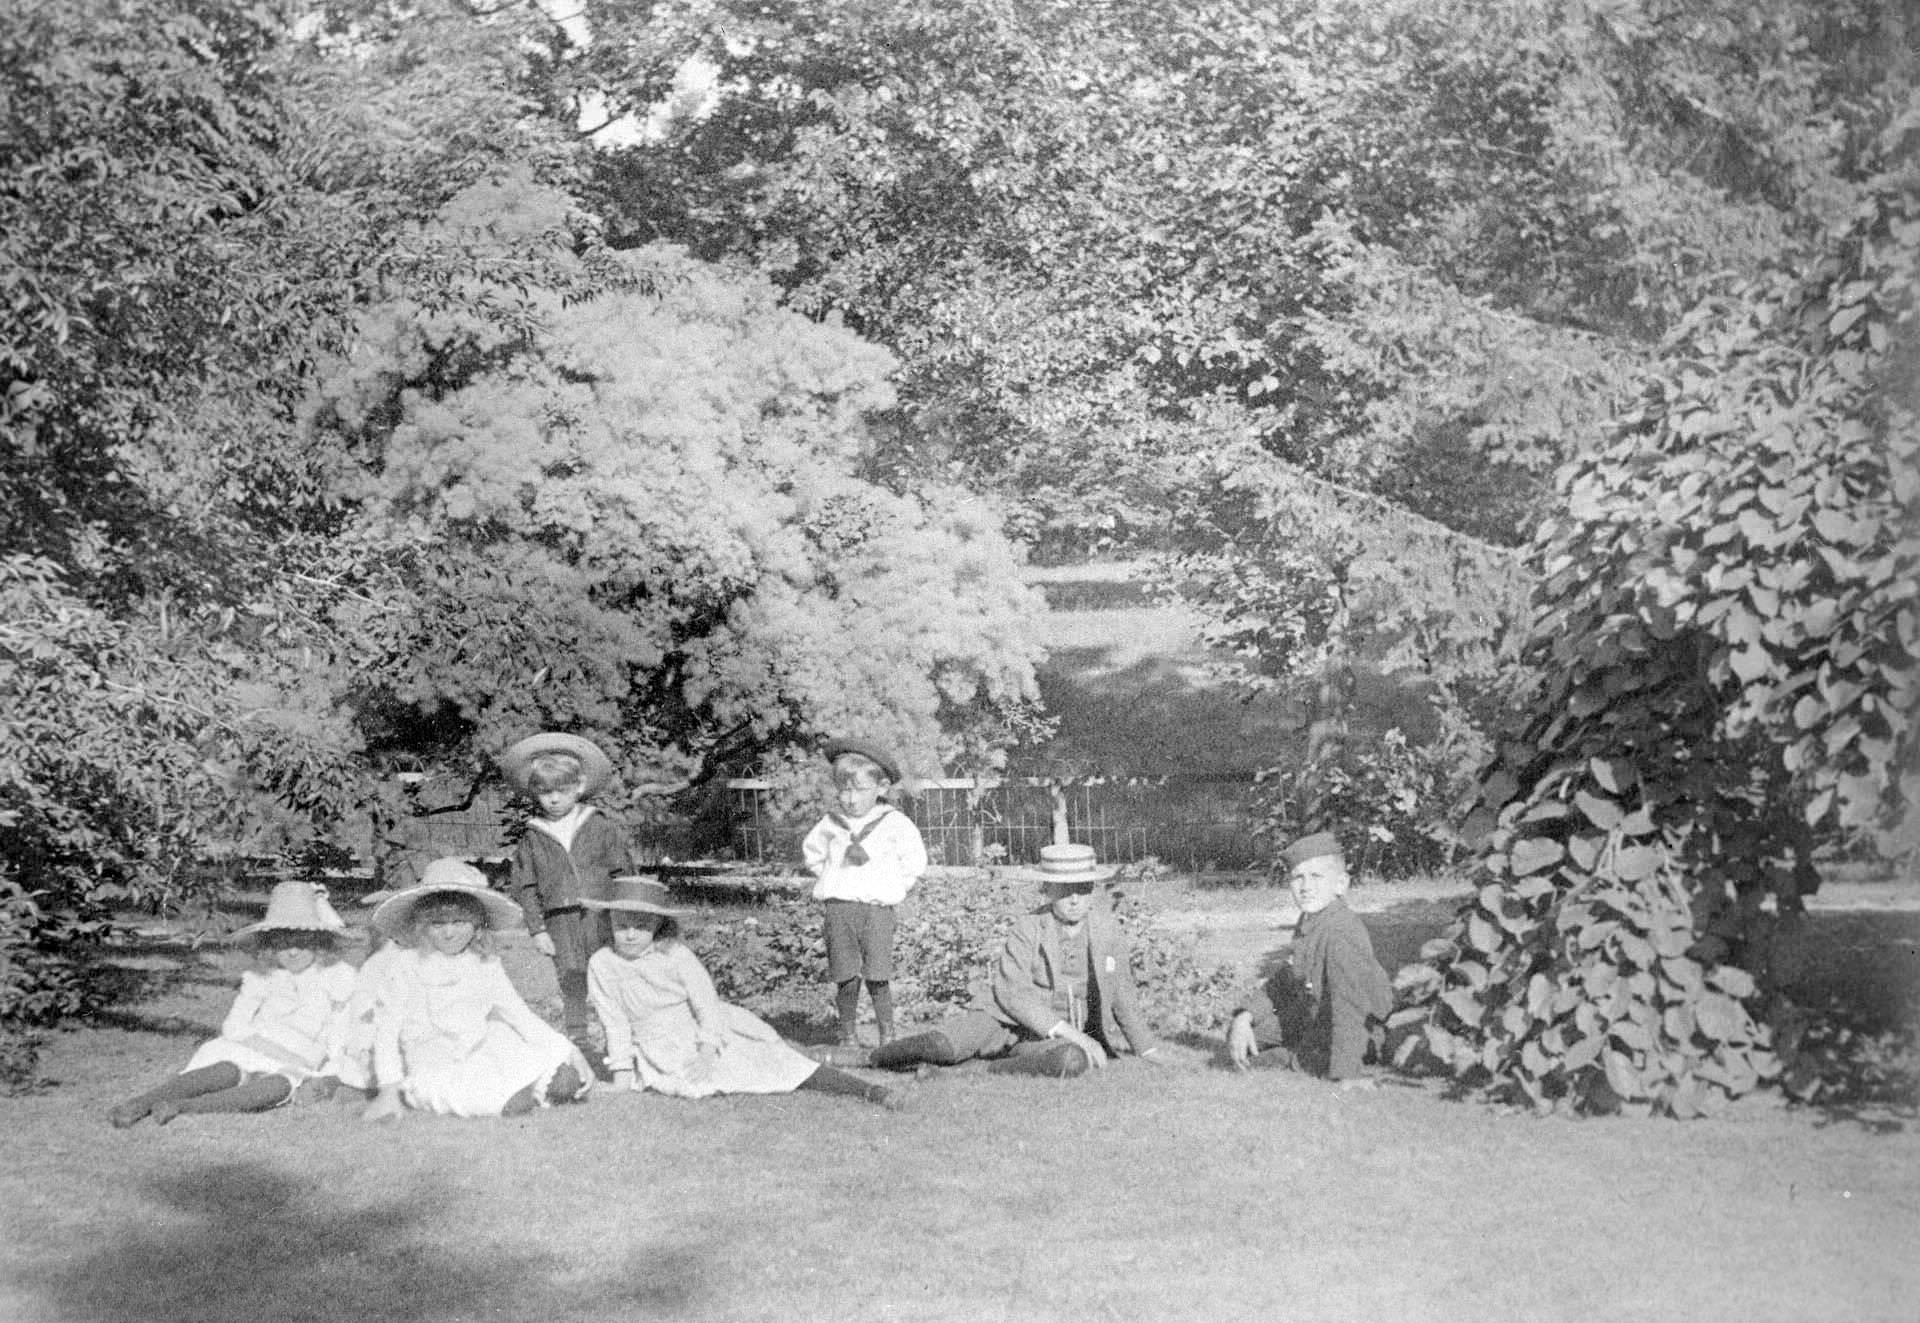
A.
pixel 829 1080
pixel 217 1088
pixel 846 1007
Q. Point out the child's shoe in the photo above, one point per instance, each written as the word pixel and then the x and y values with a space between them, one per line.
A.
pixel 895 1099
pixel 128 1113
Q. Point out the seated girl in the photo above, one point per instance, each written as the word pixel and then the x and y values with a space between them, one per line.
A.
pixel 668 1030
pixel 284 1024
pixel 450 1033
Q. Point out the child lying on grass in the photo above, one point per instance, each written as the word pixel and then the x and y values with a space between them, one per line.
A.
pixel 283 1026
pixel 668 1030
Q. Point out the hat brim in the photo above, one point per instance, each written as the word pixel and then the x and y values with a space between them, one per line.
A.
pixel 395 913
pixel 886 762
pixel 254 931
pixel 1093 878
pixel 517 763
pixel 635 907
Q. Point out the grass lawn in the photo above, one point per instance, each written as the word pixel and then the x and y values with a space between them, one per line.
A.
pixel 1193 1194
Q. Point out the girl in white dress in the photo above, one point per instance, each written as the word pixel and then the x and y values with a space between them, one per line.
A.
pixel 668 1030
pixel 283 1026
pixel 450 1033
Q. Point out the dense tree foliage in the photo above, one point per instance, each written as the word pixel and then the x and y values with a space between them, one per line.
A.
pixel 334 435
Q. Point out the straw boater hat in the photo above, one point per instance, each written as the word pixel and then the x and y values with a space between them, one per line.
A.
pixel 1320 845
pixel 1067 866
pixel 645 895
pixel 445 877
pixel 294 907
pixel 516 763
pixel 866 749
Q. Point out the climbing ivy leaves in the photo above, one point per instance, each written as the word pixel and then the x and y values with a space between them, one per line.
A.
pixel 1725 635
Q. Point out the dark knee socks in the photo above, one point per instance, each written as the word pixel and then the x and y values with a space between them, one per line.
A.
pixel 882 993
pixel 846 1006
pixel 187 1084
pixel 260 1095
pixel 829 1080
pixel 573 1003
pixel 1061 1062
pixel 932 1046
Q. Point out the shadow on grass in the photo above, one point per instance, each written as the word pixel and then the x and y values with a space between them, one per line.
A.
pixel 242 1243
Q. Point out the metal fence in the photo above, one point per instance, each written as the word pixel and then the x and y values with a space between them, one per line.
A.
pixel 1185 822
pixel 1190 822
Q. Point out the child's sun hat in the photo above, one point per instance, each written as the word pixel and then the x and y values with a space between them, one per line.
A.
pixel 866 749
pixel 516 764
pixel 445 877
pixel 635 893
pixel 294 907
pixel 1067 867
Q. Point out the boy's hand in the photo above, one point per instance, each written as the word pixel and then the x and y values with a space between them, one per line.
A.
pixel 702 1068
pixel 543 943
pixel 1241 1046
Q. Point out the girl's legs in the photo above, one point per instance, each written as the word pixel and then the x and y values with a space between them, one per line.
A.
pixel 187 1084
pixel 882 993
pixel 826 1079
pixel 257 1095
pixel 846 1005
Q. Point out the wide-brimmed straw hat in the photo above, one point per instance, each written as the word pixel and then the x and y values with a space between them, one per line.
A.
pixel 1067 866
pixel 636 893
pixel 516 764
pixel 866 749
pixel 445 877
pixel 294 907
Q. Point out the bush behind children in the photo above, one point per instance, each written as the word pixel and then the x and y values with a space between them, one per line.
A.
pixel 431 1022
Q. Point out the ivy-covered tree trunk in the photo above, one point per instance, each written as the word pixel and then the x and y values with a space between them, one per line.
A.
pixel 1727 640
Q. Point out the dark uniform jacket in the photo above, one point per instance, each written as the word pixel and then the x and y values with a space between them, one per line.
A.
pixel 1324 1001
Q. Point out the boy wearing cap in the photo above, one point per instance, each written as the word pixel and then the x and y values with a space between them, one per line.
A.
pixel 866 855
pixel 1063 995
pixel 1318 1011
pixel 568 855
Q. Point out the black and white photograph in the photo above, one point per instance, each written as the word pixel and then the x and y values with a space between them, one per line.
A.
pixel 959 661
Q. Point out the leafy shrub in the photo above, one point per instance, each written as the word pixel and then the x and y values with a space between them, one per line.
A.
pixel 1581 992
pixel 1390 803
pixel 950 930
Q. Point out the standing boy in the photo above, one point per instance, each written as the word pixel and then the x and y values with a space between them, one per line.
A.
pixel 1320 1011
pixel 866 856
pixel 569 853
